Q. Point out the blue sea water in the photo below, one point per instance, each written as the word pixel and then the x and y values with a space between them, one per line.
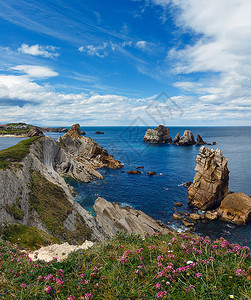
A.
pixel 174 166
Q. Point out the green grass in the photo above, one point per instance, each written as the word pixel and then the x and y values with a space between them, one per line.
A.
pixel 15 131
pixel 16 153
pixel 27 237
pixel 15 209
pixel 129 267
pixel 51 203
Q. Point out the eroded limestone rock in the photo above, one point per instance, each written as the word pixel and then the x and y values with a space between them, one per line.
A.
pixel 210 184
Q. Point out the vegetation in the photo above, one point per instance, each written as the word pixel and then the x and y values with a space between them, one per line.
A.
pixel 15 209
pixel 27 237
pixel 16 153
pixel 16 128
pixel 51 203
pixel 129 267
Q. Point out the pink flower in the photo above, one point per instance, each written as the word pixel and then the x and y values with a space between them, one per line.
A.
pixel 214 287
pixel 158 286
pixel 198 275
pixel 160 257
pixel 59 282
pixel 88 296
pixel 71 297
pixel 240 272
pixel 23 285
pixel 47 289
pixel 140 250
pixel 40 278
pixel 161 294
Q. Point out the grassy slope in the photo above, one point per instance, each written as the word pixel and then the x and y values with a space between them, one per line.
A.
pixel 16 153
pixel 12 130
pixel 50 202
pixel 27 237
pixel 129 267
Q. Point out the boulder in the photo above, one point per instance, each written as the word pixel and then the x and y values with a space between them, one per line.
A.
pixel 35 132
pixel 178 204
pixel 186 223
pixel 159 135
pixel 83 133
pixel 141 167
pixel 210 184
pixel 177 217
pixel 134 172
pixel 187 138
pixel 195 217
pixel 113 218
pixel 176 138
pixel 211 215
pixel 151 173
pixel 214 143
pixel 200 140
pixel 235 208
pixel 99 132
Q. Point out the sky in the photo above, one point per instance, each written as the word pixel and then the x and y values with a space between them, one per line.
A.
pixel 126 62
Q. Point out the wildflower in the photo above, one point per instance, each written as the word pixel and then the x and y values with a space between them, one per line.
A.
pixel 82 275
pixel 140 250
pixel 88 296
pixel 161 294
pixel 140 266
pixel 137 271
pixel 71 297
pixel 158 286
pixel 240 272
pixel 40 278
pixel 59 282
pixel 198 275
pixel 231 296
pixel 47 289
pixel 160 257
pixel 214 287
pixel 23 285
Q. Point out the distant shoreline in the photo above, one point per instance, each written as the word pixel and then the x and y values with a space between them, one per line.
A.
pixel 13 135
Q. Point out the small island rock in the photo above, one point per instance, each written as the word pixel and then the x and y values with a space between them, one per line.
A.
pixel 158 135
pixel 134 172
pixel 187 138
pixel 151 173
pixel 200 140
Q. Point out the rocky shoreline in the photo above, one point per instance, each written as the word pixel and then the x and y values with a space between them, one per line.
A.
pixel 32 188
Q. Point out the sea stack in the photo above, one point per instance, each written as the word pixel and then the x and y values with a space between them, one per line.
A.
pixel 200 140
pixel 210 184
pixel 187 138
pixel 159 135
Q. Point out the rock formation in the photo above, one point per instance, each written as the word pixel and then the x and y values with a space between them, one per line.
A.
pixel 187 138
pixel 86 150
pixel 210 184
pixel 159 135
pixel 134 172
pixel 176 138
pixel 35 132
pixel 150 173
pixel 113 218
pixel 33 193
pixel 235 208
pixel 99 132
pixel 200 140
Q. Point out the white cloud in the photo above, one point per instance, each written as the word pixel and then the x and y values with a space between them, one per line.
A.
pixel 221 53
pixel 22 99
pixel 99 51
pixel 35 71
pixel 141 45
pixel 37 50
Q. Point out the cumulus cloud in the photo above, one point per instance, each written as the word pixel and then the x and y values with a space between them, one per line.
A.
pixel 221 53
pixel 37 50
pixel 35 71
pixel 23 99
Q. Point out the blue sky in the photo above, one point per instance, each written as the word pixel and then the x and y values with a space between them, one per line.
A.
pixel 105 62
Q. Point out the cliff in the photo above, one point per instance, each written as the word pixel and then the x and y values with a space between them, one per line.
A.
pixel 34 193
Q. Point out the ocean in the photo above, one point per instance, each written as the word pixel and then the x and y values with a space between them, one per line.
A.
pixel 174 165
